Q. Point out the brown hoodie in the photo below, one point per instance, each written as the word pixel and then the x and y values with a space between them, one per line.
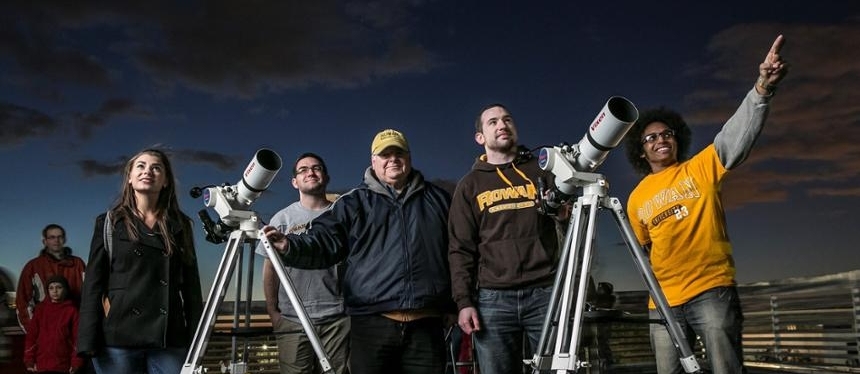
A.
pixel 497 237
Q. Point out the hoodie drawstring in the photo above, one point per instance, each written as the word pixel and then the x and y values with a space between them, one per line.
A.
pixel 508 181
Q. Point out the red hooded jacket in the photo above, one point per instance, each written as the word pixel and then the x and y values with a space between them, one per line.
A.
pixel 51 340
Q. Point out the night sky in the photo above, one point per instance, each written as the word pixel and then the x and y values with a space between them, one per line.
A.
pixel 84 85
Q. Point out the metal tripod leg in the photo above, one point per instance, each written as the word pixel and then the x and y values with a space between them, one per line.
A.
pixel 558 326
pixel 688 359
pixel 296 302
pixel 216 297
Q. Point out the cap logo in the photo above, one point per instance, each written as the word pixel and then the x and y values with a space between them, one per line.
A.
pixel 388 138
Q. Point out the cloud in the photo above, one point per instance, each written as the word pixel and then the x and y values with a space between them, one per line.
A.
pixel 814 122
pixel 219 47
pixel 219 160
pixel 94 168
pixel 17 124
pixel 35 42
pixel 87 122
pixel 839 192
pixel 280 45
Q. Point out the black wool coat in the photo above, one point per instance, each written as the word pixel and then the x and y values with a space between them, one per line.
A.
pixel 138 296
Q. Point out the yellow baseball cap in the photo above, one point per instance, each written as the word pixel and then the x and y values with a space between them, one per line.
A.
pixel 387 138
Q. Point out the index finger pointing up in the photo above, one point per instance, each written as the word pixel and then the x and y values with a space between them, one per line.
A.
pixel 774 49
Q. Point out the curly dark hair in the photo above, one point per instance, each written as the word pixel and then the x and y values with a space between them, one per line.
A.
pixel 633 140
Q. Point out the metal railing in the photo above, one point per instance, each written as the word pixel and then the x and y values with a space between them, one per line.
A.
pixel 809 322
pixel 798 325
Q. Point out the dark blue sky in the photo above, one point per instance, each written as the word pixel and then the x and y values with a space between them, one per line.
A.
pixel 85 84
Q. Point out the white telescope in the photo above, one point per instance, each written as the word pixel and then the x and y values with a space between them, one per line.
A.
pixel 605 132
pixel 257 176
pixel 232 202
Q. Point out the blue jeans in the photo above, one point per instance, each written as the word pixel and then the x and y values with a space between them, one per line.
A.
pixel 505 315
pixel 714 315
pixel 379 345
pixel 139 361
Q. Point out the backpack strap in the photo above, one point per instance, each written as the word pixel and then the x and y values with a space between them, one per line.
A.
pixel 108 235
pixel 108 239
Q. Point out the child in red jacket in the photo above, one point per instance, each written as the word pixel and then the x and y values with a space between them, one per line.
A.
pixel 50 345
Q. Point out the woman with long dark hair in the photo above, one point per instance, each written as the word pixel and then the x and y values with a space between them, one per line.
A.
pixel 141 300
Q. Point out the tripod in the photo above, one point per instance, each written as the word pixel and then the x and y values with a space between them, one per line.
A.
pixel 246 233
pixel 561 355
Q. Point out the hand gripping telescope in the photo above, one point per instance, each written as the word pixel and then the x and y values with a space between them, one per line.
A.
pixel 573 167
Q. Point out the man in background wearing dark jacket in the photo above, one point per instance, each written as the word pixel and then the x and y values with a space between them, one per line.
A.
pixel 390 231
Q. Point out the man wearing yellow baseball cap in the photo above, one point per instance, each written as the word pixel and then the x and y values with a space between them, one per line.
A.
pixel 388 138
pixel 390 160
pixel 393 239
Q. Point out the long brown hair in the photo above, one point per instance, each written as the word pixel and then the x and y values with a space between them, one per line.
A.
pixel 167 206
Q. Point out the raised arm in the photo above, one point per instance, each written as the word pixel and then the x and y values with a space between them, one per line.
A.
pixel 735 140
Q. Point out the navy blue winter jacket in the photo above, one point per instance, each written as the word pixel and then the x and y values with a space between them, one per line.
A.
pixel 395 247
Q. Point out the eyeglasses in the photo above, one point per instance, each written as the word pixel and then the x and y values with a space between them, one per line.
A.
pixel 52 237
pixel 306 169
pixel 651 138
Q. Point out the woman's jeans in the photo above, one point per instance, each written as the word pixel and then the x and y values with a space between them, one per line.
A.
pixel 139 361
pixel 716 317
